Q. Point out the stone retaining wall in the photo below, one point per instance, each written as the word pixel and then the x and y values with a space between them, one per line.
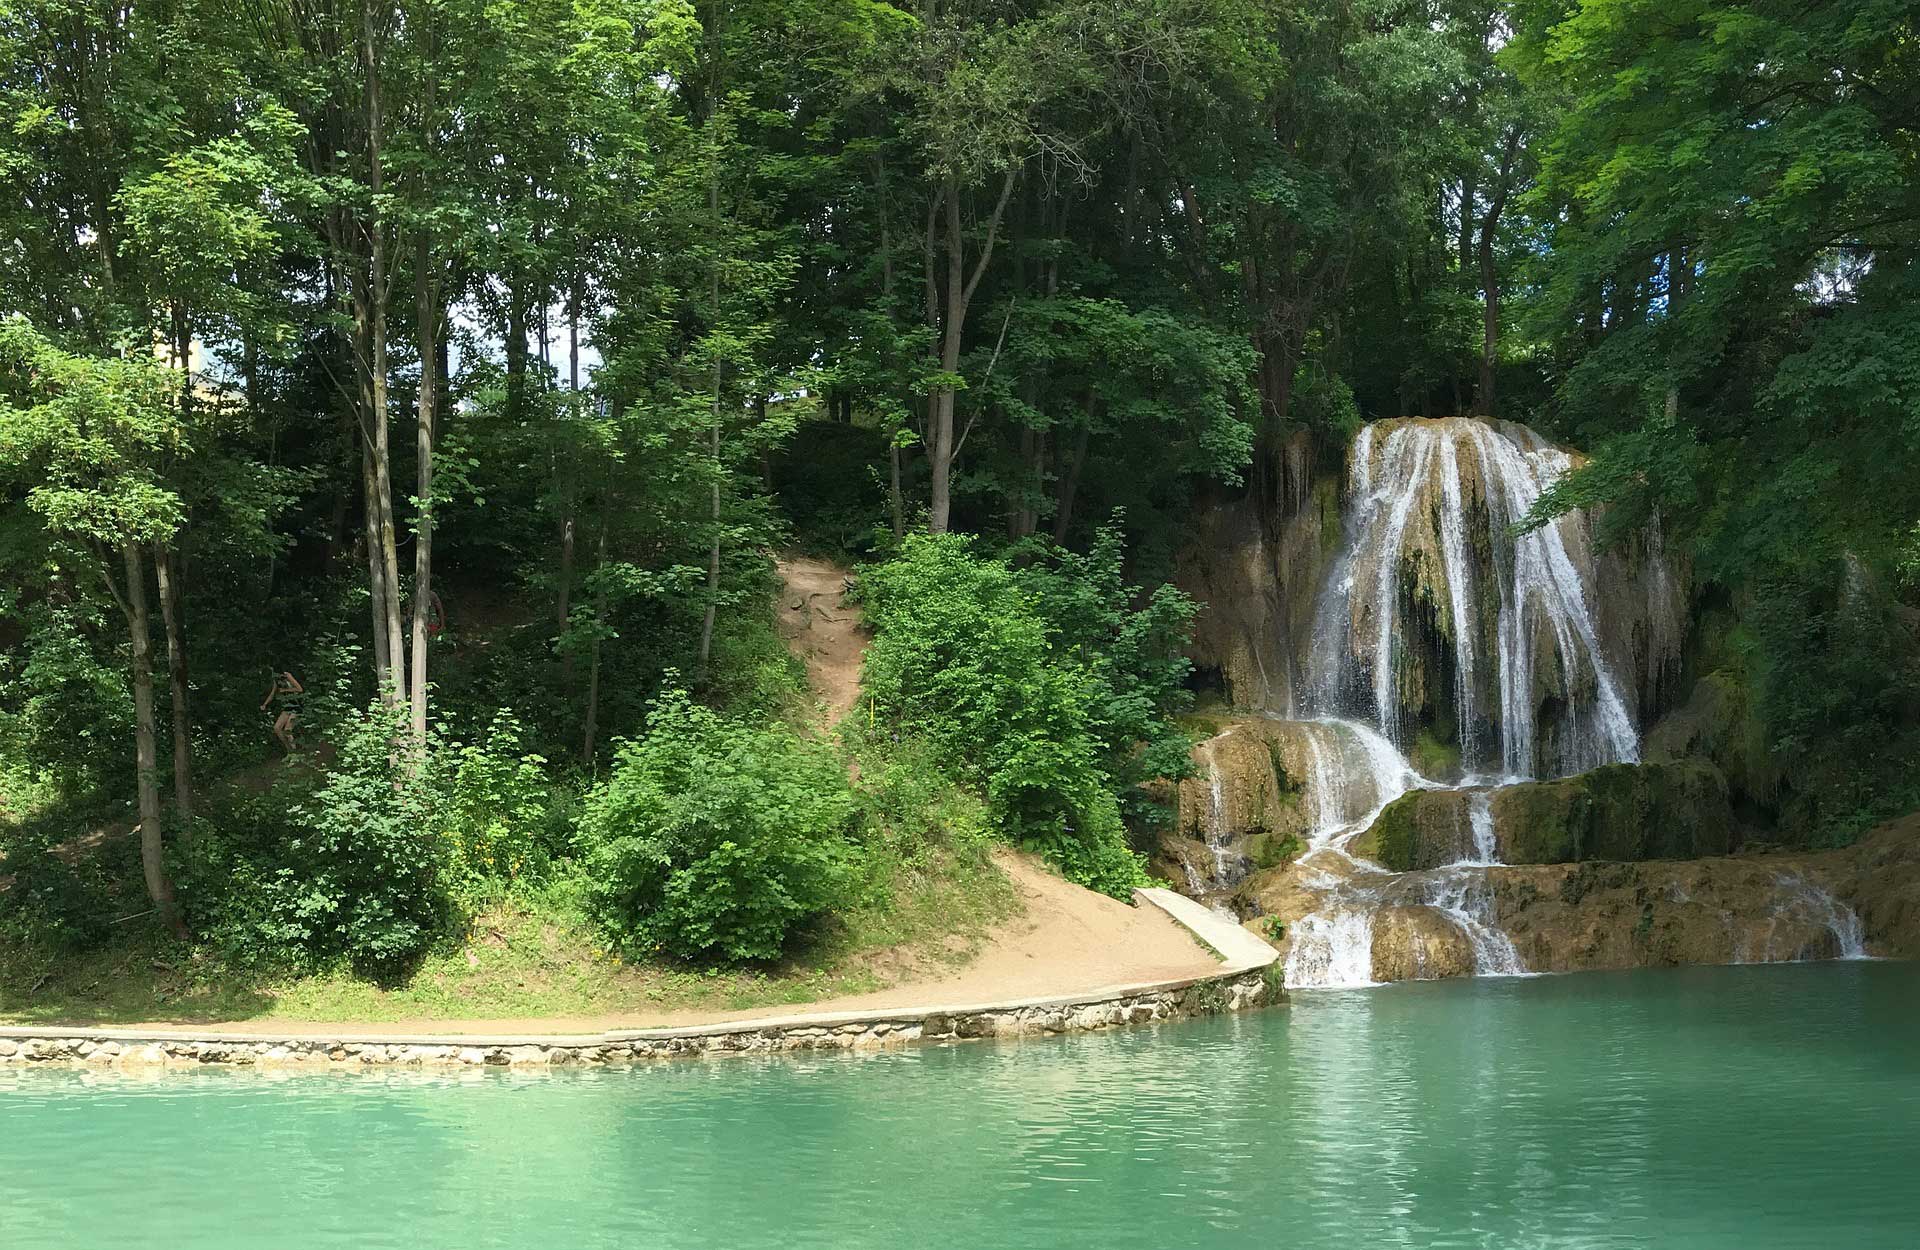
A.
pixel 1233 992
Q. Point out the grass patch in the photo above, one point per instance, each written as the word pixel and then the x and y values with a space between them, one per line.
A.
pixel 527 958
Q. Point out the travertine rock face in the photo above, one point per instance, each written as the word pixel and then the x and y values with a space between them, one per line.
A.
pixel 1618 812
pixel 1414 943
pixel 1256 564
pixel 1577 917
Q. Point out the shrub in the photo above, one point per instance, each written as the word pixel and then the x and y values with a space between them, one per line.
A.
pixel 57 905
pixel 499 813
pixel 372 864
pixel 713 838
pixel 1041 685
pixel 353 868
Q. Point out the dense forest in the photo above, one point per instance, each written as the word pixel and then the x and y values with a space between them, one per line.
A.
pixel 451 374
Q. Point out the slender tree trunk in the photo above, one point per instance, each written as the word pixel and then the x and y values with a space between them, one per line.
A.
pixel 592 718
pixel 371 307
pixel 426 296
pixel 713 443
pixel 172 614
pixel 959 294
pixel 896 501
pixel 376 575
pixel 1490 276
pixel 153 861
pixel 940 416
pixel 564 598
pixel 896 504
pixel 1070 485
pixel 516 347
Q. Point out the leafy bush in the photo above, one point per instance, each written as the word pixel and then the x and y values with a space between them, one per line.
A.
pixel 375 862
pixel 56 905
pixel 498 812
pixel 715 838
pixel 1042 684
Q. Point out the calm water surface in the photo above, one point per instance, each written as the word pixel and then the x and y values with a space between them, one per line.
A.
pixel 1727 1107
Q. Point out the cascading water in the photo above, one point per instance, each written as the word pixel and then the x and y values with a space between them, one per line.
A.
pixel 1480 816
pixel 1802 900
pixel 1430 508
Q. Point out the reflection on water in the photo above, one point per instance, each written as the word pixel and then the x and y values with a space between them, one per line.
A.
pixel 1735 1107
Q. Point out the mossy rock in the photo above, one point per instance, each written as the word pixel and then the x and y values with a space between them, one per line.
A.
pixel 1433 758
pixel 1622 812
pixel 1271 850
pixel 1420 829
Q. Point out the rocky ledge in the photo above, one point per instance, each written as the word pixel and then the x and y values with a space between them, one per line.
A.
pixel 1571 917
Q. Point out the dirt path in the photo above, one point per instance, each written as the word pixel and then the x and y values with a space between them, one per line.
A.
pixel 1069 941
pixel 823 630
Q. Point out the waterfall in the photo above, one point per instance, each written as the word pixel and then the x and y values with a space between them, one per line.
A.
pixel 1332 949
pixel 1354 772
pixel 1480 818
pixel 1429 497
pixel 1429 513
pixel 1804 901
pixel 1460 892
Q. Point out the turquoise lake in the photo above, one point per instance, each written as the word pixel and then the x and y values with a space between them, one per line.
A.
pixel 1727 1107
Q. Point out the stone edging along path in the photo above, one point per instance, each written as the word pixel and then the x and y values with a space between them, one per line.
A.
pixel 1243 980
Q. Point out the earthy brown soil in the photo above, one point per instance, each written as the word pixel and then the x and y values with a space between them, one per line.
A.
pixel 823 630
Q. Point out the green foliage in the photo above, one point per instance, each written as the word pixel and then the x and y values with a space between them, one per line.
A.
pixel 715 839
pixel 1729 289
pixel 497 813
pixel 373 862
pixel 56 905
pixel 1044 685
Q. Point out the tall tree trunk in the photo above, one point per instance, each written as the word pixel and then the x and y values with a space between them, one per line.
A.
pixel 426 296
pixel 1070 484
pixel 592 719
pixel 153 861
pixel 1490 276
pixel 376 574
pixel 713 443
pixel 940 415
pixel 961 285
pixel 372 302
pixel 171 612
pixel 896 501
pixel 896 504
pixel 564 491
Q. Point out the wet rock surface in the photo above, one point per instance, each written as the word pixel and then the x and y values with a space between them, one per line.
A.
pixel 1419 944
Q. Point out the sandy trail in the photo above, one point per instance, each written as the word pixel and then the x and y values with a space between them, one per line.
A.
pixel 823 631
pixel 1069 941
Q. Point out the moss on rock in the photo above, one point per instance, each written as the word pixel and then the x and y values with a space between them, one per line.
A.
pixel 1420 829
pixel 1625 812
